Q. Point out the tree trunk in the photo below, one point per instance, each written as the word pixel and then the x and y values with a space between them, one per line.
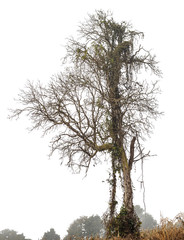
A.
pixel 129 218
pixel 128 193
pixel 113 201
pixel 127 182
pixel 120 163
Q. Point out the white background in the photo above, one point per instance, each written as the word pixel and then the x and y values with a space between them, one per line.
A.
pixel 36 193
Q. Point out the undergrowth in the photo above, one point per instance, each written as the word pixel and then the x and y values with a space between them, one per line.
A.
pixel 167 230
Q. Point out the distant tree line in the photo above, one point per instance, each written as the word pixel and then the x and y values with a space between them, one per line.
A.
pixel 8 234
pixel 82 227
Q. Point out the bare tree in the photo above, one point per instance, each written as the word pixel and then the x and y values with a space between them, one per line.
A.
pixel 99 104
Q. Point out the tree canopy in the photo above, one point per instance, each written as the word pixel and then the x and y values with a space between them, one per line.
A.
pixel 50 235
pixel 147 220
pixel 85 227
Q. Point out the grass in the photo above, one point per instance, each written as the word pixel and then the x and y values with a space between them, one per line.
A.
pixel 167 230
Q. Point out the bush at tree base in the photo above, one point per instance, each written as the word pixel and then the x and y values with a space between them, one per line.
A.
pixel 123 225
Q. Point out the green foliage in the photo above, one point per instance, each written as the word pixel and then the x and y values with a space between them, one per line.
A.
pixel 51 235
pixel 7 234
pixel 147 221
pixel 85 227
pixel 124 225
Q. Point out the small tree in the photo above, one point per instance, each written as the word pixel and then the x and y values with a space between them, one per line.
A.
pixel 8 234
pixel 51 235
pixel 76 229
pixel 94 226
pixel 85 227
pixel 99 105
pixel 147 220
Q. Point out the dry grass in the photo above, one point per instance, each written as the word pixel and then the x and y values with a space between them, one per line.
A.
pixel 168 230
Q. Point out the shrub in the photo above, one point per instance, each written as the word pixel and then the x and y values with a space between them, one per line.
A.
pixel 123 225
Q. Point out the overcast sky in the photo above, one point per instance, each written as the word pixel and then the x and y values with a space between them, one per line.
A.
pixel 36 192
